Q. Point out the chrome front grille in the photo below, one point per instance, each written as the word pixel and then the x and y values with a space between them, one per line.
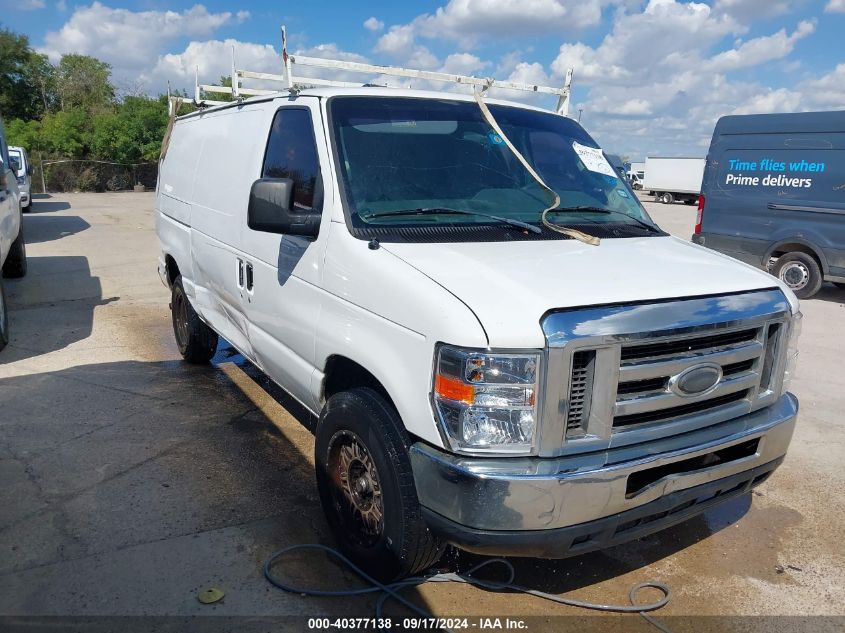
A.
pixel 579 387
pixel 644 395
pixel 616 374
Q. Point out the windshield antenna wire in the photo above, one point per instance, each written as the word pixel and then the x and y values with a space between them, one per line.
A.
pixel 491 120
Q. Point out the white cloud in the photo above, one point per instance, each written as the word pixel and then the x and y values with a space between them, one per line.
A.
pixel 373 24
pixel 130 39
pixel 826 92
pixel 748 10
pixel 760 49
pixel 398 41
pixel 467 22
pixel 212 59
pixel 466 18
pixel 780 100
pixel 463 64
pixel 400 44
pixel 662 76
pixel 31 5
pixel 645 46
pixel 835 6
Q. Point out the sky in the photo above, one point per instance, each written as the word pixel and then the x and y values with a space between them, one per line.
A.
pixel 650 78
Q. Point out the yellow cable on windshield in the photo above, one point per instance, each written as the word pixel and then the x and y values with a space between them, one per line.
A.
pixel 574 233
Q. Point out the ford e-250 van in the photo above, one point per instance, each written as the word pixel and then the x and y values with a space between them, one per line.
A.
pixel 480 378
pixel 774 196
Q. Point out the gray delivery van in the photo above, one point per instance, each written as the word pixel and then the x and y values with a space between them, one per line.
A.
pixel 773 195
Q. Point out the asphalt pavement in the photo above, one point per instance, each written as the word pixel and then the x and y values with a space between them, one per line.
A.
pixel 131 481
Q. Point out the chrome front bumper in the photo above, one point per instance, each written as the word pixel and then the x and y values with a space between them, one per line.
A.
pixel 464 498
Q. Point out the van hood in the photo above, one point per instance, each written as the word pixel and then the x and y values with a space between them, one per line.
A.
pixel 510 286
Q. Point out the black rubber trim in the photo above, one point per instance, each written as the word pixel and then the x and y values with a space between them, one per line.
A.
pixel 606 532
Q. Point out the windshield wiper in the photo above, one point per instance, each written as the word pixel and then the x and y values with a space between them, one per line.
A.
pixel 590 209
pixel 450 211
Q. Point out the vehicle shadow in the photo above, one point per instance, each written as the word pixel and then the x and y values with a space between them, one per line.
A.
pixel 42 205
pixel 148 481
pixel 38 229
pixel 36 325
pixel 569 574
pixel 830 293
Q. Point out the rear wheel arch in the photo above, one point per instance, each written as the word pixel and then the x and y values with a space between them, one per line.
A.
pixel 797 245
pixel 171 268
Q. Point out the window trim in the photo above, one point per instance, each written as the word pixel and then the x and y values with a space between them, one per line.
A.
pixel 319 185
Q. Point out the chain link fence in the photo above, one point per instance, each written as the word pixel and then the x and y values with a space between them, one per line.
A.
pixel 72 174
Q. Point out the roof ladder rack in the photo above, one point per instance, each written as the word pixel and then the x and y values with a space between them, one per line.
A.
pixel 291 83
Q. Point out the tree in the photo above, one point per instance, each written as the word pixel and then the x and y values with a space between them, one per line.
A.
pixel 226 82
pixel 132 133
pixel 83 82
pixel 26 78
pixel 64 133
pixel 24 134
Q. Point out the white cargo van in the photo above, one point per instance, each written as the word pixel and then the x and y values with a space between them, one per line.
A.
pixel 12 245
pixel 480 378
pixel 23 172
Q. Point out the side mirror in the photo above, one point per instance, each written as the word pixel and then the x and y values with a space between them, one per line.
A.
pixel 270 201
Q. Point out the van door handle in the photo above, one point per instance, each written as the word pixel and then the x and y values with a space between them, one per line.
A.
pixel 240 273
pixel 249 277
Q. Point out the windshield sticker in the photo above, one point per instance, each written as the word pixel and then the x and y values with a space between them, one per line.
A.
pixel 495 139
pixel 622 193
pixel 593 159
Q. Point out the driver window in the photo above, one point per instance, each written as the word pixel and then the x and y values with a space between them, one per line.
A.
pixel 292 153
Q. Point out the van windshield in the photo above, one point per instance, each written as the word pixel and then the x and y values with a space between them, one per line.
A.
pixel 420 162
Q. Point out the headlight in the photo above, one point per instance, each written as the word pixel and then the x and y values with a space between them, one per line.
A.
pixel 792 350
pixel 487 402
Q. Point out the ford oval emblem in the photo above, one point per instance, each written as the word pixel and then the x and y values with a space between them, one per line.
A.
pixel 696 380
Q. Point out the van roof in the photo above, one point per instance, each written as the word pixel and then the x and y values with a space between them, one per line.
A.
pixel 378 91
pixel 781 123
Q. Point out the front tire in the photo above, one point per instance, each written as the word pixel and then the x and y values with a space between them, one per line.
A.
pixel 800 272
pixel 197 342
pixel 15 265
pixel 367 488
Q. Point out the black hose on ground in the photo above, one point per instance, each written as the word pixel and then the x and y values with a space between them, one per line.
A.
pixel 393 589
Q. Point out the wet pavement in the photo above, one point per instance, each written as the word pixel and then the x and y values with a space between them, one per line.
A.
pixel 131 480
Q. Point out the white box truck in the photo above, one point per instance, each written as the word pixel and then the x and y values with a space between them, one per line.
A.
pixel 671 179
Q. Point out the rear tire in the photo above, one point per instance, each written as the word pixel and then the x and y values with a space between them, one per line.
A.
pixel 667 198
pixel 367 488
pixel 4 317
pixel 197 342
pixel 15 265
pixel 800 272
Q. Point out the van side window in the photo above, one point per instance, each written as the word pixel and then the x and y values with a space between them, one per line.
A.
pixel 292 153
